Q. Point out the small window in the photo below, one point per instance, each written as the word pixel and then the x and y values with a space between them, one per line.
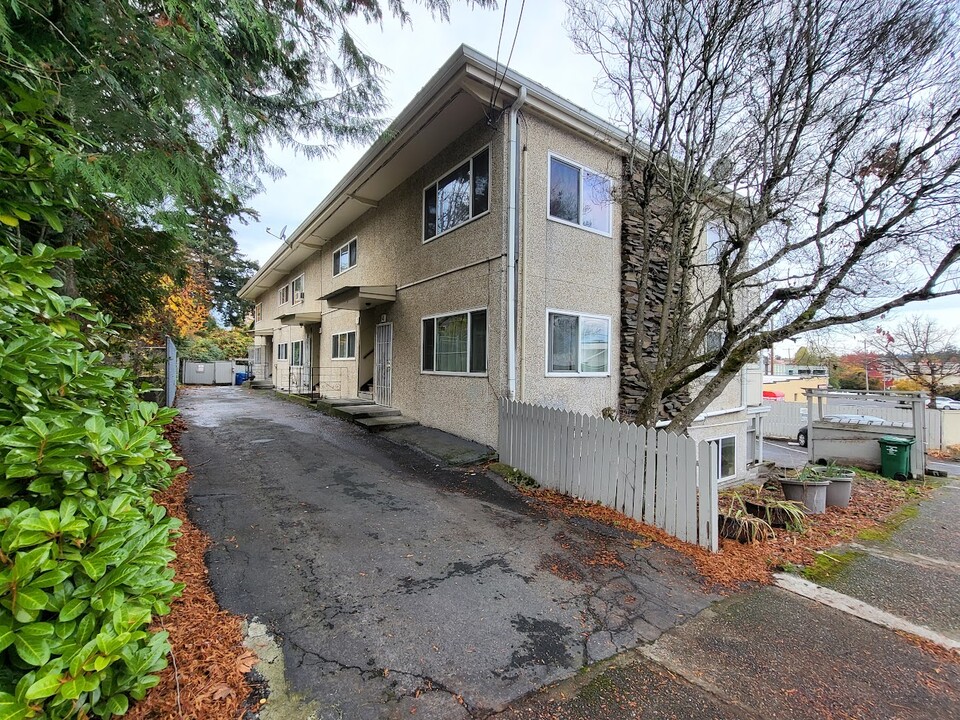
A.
pixel 455 344
pixel 713 341
pixel 296 290
pixel 283 295
pixel 580 196
pixel 724 458
pixel 457 197
pixel 282 351
pixel 296 353
pixel 345 257
pixel 715 236
pixel 344 346
pixel 258 312
pixel 578 344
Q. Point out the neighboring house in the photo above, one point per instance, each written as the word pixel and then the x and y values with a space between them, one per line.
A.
pixel 473 253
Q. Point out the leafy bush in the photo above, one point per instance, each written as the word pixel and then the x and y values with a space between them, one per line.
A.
pixel 83 547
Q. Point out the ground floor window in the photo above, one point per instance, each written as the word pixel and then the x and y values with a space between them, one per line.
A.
pixel 455 343
pixel 296 353
pixel 344 346
pixel 724 458
pixel 577 344
pixel 282 351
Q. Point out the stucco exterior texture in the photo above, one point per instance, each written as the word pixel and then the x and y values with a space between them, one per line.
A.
pixel 560 268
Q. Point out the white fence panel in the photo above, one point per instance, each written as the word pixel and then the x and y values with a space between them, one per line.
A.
pixel 658 478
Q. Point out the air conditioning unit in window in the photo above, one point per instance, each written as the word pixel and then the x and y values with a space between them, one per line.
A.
pixel 298 297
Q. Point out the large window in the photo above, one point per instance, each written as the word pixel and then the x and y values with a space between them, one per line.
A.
pixel 580 196
pixel 455 343
pixel 296 290
pixel 296 353
pixel 282 351
pixel 345 257
pixel 577 344
pixel 724 457
pixel 457 197
pixel 344 346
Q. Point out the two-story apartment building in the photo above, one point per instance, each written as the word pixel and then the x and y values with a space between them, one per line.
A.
pixel 472 253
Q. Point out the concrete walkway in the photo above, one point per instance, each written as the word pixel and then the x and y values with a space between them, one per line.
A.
pixel 399 587
pixel 773 654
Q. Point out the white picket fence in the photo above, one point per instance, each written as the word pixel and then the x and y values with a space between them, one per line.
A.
pixel 786 418
pixel 655 477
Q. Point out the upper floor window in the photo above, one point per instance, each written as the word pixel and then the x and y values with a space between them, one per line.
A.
pixel 580 196
pixel 258 312
pixel 455 343
pixel 577 344
pixel 344 346
pixel 283 295
pixel 716 235
pixel 296 290
pixel 457 197
pixel 345 257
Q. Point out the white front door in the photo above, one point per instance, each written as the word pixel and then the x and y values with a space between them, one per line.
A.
pixel 383 365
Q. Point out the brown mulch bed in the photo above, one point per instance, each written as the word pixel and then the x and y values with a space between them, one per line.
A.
pixel 873 501
pixel 206 675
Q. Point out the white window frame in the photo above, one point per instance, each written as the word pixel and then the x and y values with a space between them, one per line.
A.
pixel 581 167
pixel 258 312
pixel 293 344
pixel 283 352
pixel 423 209
pixel 293 292
pixel 334 343
pixel 486 348
pixel 283 295
pixel 337 252
pixel 546 360
pixel 715 451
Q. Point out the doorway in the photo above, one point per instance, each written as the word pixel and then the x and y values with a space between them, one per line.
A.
pixel 383 365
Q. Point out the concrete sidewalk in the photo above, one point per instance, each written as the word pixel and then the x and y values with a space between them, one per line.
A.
pixel 773 654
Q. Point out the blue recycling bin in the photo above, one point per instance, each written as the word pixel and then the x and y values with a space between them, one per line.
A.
pixel 241 378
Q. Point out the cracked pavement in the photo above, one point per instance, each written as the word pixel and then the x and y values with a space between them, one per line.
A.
pixel 395 585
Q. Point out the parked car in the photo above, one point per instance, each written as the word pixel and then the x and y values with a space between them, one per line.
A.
pixel 945 403
pixel 852 419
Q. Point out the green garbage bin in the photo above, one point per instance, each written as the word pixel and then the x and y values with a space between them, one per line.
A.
pixel 895 456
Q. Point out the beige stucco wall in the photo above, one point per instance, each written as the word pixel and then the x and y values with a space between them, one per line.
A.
pixel 793 389
pixel 719 426
pixel 564 268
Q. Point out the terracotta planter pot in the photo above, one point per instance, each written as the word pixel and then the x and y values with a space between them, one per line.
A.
pixel 811 494
pixel 839 491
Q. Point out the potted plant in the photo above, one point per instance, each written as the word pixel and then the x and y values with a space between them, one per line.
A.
pixel 737 524
pixel 777 512
pixel 809 489
pixel 841 483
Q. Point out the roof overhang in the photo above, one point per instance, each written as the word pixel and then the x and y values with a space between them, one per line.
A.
pixel 457 97
pixel 301 318
pixel 361 297
pixel 264 332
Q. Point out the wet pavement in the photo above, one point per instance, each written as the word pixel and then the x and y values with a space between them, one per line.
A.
pixel 771 654
pixel 399 587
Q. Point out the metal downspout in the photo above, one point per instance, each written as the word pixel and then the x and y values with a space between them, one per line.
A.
pixel 513 221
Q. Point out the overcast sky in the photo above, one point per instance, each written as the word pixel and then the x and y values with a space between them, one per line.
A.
pixel 413 54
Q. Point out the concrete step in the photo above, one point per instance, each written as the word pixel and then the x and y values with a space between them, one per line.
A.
pixel 376 424
pixel 365 395
pixel 364 411
pixel 261 385
pixel 344 402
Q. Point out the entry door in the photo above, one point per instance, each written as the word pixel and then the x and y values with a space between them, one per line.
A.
pixel 383 365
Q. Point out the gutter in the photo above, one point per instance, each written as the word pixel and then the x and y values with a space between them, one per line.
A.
pixel 513 222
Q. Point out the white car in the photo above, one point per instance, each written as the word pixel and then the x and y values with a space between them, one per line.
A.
pixel 852 420
pixel 945 403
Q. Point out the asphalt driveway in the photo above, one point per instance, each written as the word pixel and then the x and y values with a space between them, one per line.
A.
pixel 397 586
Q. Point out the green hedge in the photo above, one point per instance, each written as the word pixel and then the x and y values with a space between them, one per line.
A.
pixel 83 547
